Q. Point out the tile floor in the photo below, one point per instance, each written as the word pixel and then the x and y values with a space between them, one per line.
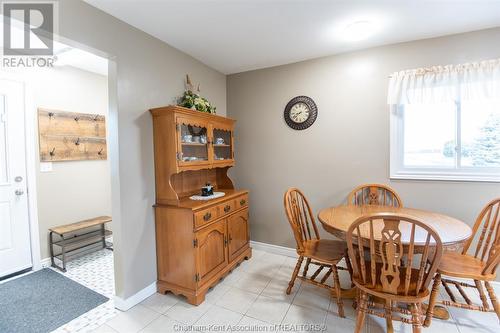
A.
pixel 253 298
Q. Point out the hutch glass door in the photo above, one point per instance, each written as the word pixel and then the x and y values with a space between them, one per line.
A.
pixel 222 142
pixel 192 142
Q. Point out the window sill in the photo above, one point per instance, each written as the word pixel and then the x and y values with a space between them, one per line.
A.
pixel 484 178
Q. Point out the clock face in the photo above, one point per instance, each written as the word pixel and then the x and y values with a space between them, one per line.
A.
pixel 300 113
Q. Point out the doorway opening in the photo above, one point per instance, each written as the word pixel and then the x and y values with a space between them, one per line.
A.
pixel 55 171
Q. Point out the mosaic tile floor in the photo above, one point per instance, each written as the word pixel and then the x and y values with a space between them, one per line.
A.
pixel 94 271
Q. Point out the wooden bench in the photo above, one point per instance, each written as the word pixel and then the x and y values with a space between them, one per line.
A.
pixel 72 244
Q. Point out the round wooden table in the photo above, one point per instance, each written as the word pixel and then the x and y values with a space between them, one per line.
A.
pixel 454 233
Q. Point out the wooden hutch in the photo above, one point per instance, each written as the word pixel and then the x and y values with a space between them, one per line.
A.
pixel 197 242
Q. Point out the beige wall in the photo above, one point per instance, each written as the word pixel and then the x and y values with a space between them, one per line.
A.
pixel 349 143
pixel 149 73
pixel 73 190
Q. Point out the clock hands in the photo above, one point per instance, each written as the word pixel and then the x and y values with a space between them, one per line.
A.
pixel 299 113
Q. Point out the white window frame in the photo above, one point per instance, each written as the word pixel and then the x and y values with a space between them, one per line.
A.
pixel 460 173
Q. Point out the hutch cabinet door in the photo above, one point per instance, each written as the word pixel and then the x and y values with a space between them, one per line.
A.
pixel 211 254
pixel 238 234
pixel 192 141
pixel 222 143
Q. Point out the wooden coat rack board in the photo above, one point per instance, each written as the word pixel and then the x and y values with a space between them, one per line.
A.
pixel 70 136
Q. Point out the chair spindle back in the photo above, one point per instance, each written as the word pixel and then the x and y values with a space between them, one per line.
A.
pixel 300 216
pixel 389 258
pixel 374 194
pixel 487 227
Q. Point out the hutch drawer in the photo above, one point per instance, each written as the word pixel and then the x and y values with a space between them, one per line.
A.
pixel 241 201
pixel 223 209
pixel 206 216
pixel 227 207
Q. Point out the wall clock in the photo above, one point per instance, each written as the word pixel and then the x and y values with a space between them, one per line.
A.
pixel 300 113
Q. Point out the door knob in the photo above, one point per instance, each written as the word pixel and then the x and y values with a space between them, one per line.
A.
pixel 19 192
pixel 18 179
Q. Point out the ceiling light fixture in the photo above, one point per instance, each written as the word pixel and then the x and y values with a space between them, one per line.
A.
pixel 358 31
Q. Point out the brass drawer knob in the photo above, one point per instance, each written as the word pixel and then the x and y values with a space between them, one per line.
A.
pixel 242 202
pixel 227 208
pixel 207 216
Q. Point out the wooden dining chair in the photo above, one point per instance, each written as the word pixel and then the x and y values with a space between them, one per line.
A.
pixel 480 267
pixel 374 194
pixel 323 253
pixel 386 269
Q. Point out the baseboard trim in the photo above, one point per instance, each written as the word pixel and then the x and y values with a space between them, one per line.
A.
pixel 276 249
pixel 125 304
pixel 45 263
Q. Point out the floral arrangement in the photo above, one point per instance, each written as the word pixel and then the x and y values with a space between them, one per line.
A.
pixel 191 99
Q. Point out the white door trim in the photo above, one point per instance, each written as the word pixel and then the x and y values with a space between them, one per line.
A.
pixel 31 155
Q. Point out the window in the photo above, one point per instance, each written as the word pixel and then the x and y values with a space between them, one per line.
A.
pixel 445 122
pixel 452 141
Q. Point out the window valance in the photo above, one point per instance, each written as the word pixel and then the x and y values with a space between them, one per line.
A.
pixel 442 84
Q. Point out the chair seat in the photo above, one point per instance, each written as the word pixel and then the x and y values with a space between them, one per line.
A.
pixel 325 250
pixel 378 289
pixel 460 265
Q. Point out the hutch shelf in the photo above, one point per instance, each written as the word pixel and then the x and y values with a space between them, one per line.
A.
pixel 197 242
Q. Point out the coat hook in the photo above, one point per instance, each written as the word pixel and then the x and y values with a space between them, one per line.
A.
pixel 53 151
pixel 77 142
pixel 77 118
pixel 96 118
pixel 51 114
pixel 100 152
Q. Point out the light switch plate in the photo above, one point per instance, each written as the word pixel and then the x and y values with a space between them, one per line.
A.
pixel 45 166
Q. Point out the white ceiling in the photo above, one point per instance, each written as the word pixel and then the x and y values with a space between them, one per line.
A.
pixel 239 35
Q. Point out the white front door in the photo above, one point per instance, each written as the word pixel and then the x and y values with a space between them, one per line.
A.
pixel 15 248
